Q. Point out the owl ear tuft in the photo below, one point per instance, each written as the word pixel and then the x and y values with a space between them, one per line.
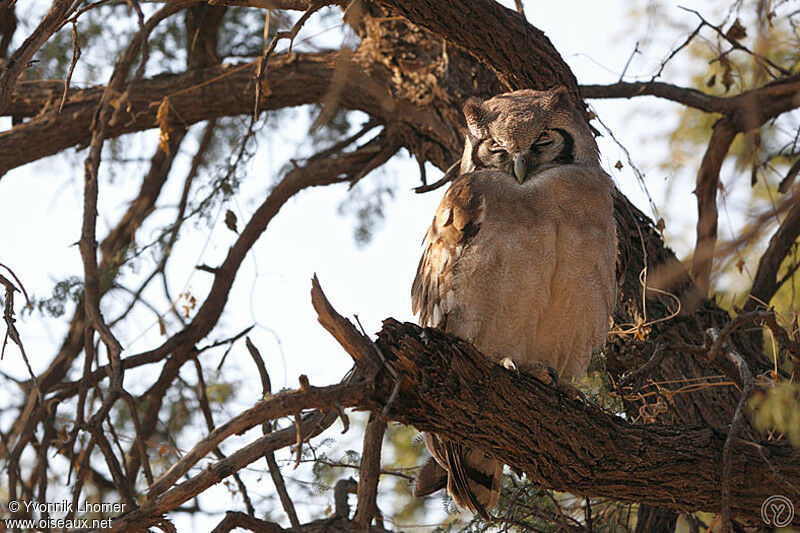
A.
pixel 475 115
pixel 559 96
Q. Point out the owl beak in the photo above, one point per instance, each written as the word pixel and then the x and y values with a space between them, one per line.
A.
pixel 520 168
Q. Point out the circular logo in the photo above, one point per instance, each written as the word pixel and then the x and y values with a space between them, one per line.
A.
pixel 777 511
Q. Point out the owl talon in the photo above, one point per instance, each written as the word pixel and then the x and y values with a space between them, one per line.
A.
pixel 544 373
pixel 508 364
pixel 573 392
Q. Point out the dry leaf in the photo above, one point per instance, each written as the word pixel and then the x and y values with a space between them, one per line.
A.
pixel 711 81
pixel 660 225
pixel 230 221
pixel 740 265
pixel 618 166
pixel 161 326
pixel 162 121
pixel 737 31
pixel 727 78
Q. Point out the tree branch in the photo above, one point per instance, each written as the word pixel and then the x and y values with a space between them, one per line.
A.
pixel 683 95
pixel 370 471
pixel 449 388
pixel 532 62
pixel 706 191
pixel 311 425
pixel 18 61
pixel 765 282
pixel 295 79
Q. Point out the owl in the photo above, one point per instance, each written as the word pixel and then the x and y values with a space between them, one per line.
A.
pixel 519 260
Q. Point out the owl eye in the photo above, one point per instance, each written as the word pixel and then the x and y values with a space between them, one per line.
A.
pixel 495 148
pixel 544 139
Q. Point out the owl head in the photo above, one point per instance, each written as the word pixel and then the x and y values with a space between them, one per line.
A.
pixel 526 132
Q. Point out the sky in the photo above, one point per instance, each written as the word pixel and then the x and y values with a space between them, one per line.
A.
pixel 40 212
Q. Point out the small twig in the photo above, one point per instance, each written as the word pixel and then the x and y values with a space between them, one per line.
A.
pixel 76 54
pixel 21 287
pixel 719 339
pixel 137 426
pixel 277 406
pixel 266 428
pixel 737 45
pixel 628 62
pixel 81 463
pixel 266 383
pixel 343 416
pixel 229 340
pixel 790 176
pixel 736 426
pixel 423 176
pixel 11 330
pixel 587 511
pixel 674 52
pixel 451 173
pixel 299 439
pixel 520 8
pixel 384 471
pixel 658 355
pixel 261 69
pixel 640 177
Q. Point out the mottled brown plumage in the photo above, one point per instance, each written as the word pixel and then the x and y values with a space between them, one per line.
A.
pixel 519 259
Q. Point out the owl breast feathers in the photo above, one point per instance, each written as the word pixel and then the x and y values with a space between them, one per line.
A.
pixel 523 271
pixel 520 258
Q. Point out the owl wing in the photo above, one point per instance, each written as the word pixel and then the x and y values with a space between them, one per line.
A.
pixel 455 224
